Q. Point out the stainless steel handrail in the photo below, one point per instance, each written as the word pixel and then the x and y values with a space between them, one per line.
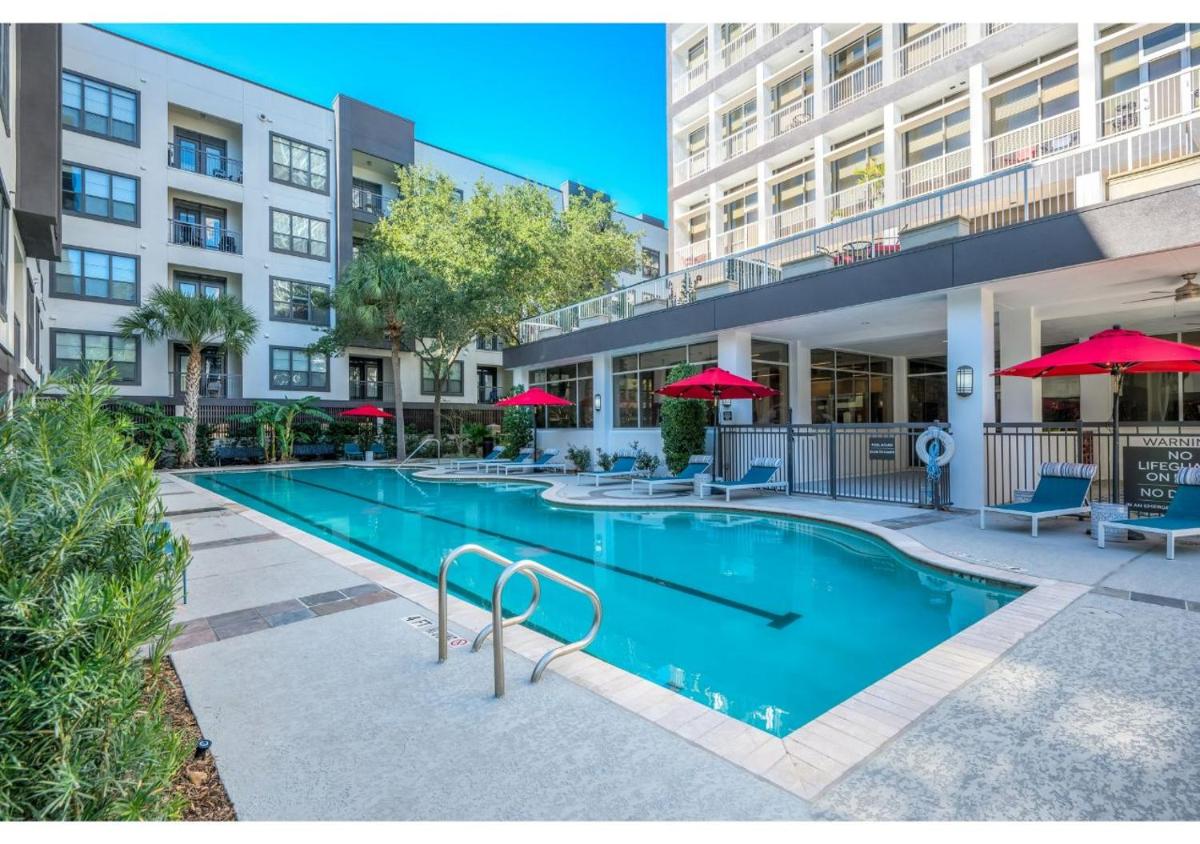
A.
pixel 421 445
pixel 530 569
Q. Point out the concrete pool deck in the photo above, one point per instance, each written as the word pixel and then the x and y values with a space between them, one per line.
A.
pixel 256 732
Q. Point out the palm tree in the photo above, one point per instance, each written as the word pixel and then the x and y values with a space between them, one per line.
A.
pixel 373 299
pixel 291 410
pixel 196 322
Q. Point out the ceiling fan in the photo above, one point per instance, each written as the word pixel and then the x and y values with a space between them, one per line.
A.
pixel 1185 292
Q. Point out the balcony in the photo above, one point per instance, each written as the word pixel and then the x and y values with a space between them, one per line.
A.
pixel 741 45
pixel 213 385
pixel 947 39
pixel 792 116
pixel 854 86
pixel 792 221
pixel 206 162
pixel 1037 140
pixel 491 343
pixel 741 238
pixel 691 79
pixel 993 28
pixel 209 236
pixel 774 30
pixel 739 142
pixel 863 197
pixel 693 253
pixel 938 173
pixel 367 202
pixel 691 167
pixel 1149 104
pixel 373 391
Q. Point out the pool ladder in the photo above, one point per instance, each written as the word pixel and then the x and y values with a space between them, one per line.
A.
pixel 530 569
pixel 420 446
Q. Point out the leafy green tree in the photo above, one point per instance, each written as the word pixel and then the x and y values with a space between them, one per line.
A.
pixel 88 583
pixel 292 410
pixel 683 423
pixel 516 427
pixel 154 429
pixel 266 419
pixel 196 322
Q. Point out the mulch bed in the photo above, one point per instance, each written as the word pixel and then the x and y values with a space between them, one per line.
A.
pixel 198 781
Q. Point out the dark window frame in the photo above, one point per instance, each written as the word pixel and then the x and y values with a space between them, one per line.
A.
pixel 311 146
pixel 447 391
pixel 272 211
pixel 5 208
pixel 271 370
pixel 137 195
pixel 31 319
pixel 137 108
pixel 5 81
pixel 137 277
pixel 657 265
pixel 199 279
pixel 271 301
pixel 83 332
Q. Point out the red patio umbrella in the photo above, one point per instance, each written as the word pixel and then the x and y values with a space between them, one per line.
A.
pixel 1113 352
pixel 534 397
pixel 367 411
pixel 717 384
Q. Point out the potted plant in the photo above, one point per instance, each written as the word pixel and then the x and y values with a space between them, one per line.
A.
pixel 579 457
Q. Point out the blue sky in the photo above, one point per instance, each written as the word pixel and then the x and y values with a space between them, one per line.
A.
pixel 551 102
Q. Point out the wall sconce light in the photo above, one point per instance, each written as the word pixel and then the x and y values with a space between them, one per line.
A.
pixel 964 381
pixel 596 403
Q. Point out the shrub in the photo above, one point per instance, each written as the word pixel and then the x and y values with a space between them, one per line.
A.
pixel 516 428
pixel 646 463
pixel 683 423
pixel 605 459
pixel 88 583
pixel 580 457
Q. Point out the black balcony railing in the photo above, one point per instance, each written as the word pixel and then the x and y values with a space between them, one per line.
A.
pixel 206 162
pixel 367 201
pixel 492 343
pixel 376 391
pixel 204 236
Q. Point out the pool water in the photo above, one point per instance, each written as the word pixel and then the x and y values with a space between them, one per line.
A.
pixel 771 620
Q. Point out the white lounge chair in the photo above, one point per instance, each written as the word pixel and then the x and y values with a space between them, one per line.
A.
pixel 697 464
pixel 622 468
pixel 1062 490
pixel 475 463
pixel 1181 519
pixel 758 476
pixel 542 463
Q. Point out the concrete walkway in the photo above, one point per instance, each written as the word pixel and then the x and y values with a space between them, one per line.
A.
pixel 324 701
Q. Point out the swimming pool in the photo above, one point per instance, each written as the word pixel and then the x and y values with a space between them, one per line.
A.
pixel 771 620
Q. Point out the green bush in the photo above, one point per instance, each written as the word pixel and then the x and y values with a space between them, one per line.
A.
pixel 580 457
pixel 516 427
pixel 88 583
pixel 683 423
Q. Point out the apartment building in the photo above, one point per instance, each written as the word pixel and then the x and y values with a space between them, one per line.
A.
pixel 872 217
pixel 178 174
pixel 30 218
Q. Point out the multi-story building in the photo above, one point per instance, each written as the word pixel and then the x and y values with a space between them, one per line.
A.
pixel 871 217
pixel 30 220
pixel 176 173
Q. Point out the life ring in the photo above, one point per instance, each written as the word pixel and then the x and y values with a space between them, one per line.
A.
pixel 944 440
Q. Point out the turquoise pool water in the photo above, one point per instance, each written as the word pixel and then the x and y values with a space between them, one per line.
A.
pixel 771 620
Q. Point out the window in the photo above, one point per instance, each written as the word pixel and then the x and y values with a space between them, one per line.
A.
pixel 87 192
pixel 366 197
pixel 292 301
pixel 769 367
pixel 296 369
pixel 850 387
pixel 849 170
pixel 98 108
pixel 94 274
pixel 795 87
pixel 858 53
pixel 489 343
pixel 739 212
pixel 458 194
pixel 200 286
pixel 910 32
pixel 573 382
pixel 75 350
pixel 453 383
pixel 1053 94
pixel 651 263
pixel 697 140
pixel 31 320
pixel 697 54
pixel 938 137
pixel 297 234
pixel 636 377
pixel 927 389
pixel 793 191
pixel 300 164
pixel 5 52
pixel 739 117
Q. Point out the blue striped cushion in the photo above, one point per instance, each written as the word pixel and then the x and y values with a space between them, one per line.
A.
pixel 1068 470
pixel 1188 476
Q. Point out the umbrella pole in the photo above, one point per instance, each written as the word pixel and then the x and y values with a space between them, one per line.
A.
pixel 1116 443
pixel 718 470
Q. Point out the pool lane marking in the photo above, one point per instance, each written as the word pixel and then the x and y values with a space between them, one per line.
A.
pixel 775 620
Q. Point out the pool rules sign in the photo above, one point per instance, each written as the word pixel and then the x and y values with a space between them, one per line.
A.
pixel 1149 470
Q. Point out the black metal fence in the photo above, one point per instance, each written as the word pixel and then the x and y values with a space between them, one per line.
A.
pixel 1141 474
pixel 867 461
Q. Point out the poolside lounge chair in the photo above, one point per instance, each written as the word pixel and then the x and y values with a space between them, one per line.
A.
pixel 476 463
pixel 697 464
pixel 379 450
pixel 525 455
pixel 1062 490
pixel 758 476
pixel 621 469
pixel 542 463
pixel 1181 519
pixel 353 451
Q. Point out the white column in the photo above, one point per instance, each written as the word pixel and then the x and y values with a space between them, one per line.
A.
pixel 763 174
pixel 819 37
pixel 602 386
pixel 801 375
pixel 1020 340
pixel 976 81
pixel 821 186
pixel 970 342
pixel 891 152
pixel 520 376
pixel 899 388
pixel 889 52
pixel 1089 86
pixel 733 355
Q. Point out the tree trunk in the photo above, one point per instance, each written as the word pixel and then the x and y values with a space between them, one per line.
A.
pixel 437 410
pixel 191 406
pixel 399 397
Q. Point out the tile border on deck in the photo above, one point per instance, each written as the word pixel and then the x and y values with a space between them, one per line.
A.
pixel 809 759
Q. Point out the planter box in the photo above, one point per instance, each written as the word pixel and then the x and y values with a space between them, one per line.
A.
pixel 811 265
pixel 720 288
pixel 649 306
pixel 592 321
pixel 549 331
pixel 934 232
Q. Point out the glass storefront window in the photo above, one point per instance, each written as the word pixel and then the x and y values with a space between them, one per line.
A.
pixel 573 382
pixel 636 377
pixel 850 387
